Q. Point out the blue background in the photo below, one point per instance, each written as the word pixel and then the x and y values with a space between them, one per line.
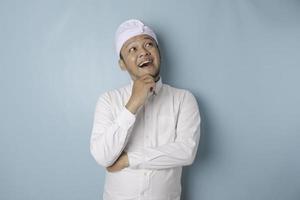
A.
pixel 239 58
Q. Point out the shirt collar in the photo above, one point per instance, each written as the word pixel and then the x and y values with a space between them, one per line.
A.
pixel 158 85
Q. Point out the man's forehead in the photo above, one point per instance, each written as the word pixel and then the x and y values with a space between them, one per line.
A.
pixel 137 38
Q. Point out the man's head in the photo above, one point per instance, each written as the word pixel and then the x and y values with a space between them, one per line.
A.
pixel 137 46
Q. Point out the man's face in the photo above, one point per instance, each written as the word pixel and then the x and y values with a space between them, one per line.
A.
pixel 140 56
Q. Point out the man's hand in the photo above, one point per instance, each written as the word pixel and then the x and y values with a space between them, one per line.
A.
pixel 141 88
pixel 120 163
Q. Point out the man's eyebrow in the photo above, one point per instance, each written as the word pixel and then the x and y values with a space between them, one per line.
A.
pixel 147 37
pixel 129 44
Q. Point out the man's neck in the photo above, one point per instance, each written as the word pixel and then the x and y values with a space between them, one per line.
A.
pixel 157 79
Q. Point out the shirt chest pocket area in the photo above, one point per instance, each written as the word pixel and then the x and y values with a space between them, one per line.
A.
pixel 165 129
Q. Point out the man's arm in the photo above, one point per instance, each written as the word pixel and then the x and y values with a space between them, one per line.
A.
pixel 109 136
pixel 179 153
pixel 120 164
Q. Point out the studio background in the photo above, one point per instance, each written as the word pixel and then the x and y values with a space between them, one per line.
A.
pixel 239 58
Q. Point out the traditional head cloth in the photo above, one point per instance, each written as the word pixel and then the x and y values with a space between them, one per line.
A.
pixel 129 29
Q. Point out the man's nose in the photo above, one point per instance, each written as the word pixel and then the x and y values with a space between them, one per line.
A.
pixel 144 52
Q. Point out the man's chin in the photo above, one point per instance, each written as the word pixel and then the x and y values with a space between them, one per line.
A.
pixel 154 75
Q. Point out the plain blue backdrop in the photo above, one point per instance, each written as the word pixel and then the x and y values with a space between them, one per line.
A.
pixel 240 58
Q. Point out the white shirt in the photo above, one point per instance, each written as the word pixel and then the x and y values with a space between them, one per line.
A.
pixel 159 139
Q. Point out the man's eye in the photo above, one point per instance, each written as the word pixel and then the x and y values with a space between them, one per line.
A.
pixel 150 44
pixel 132 49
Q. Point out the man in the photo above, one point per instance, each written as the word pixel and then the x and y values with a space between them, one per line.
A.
pixel 144 132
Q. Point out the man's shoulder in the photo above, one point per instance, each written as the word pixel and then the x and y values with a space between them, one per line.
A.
pixel 116 92
pixel 183 97
pixel 176 91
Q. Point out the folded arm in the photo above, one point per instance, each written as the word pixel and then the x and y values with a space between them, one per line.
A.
pixel 182 151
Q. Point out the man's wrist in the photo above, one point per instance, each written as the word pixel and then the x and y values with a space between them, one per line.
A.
pixel 126 161
pixel 132 107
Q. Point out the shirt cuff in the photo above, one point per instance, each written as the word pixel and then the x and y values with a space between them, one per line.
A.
pixel 126 119
pixel 135 159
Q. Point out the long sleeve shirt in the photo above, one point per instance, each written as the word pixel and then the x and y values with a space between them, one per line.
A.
pixel 160 139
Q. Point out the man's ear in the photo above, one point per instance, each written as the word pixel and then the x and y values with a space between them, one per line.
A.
pixel 122 65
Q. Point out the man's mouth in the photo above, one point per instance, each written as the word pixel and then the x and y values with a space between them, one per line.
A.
pixel 145 63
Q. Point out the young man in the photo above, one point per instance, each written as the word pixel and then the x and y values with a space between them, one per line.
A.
pixel 144 132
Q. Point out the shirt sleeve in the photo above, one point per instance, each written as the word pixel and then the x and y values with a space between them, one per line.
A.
pixel 109 135
pixel 182 151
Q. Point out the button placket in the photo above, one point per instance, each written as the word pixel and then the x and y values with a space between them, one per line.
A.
pixel 146 183
pixel 147 122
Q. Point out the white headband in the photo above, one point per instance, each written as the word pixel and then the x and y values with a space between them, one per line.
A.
pixel 129 29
